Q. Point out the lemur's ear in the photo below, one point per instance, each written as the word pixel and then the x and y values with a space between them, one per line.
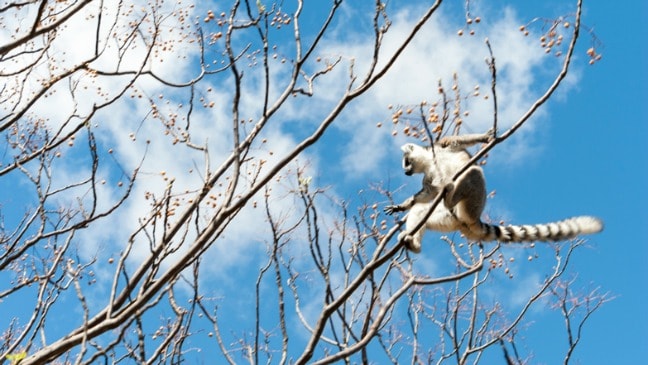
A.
pixel 408 147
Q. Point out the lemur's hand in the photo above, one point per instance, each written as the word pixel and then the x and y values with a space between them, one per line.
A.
pixel 445 142
pixel 391 209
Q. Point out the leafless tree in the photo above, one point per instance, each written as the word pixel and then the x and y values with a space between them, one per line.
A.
pixel 84 282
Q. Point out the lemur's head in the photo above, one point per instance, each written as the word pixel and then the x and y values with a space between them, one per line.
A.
pixel 414 158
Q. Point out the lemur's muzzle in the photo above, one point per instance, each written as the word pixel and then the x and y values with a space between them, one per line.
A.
pixel 407 166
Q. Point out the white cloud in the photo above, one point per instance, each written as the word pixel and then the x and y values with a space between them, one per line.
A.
pixel 436 53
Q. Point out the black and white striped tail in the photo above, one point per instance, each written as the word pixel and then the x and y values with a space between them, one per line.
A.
pixel 555 231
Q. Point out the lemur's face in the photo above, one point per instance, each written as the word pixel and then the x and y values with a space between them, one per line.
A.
pixel 407 165
pixel 412 154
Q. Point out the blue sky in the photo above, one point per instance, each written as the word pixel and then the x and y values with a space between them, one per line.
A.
pixel 582 154
pixel 598 165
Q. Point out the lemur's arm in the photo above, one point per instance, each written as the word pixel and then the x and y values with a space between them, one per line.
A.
pixel 466 140
pixel 425 195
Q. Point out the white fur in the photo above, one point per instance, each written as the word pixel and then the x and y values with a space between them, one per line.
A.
pixel 465 199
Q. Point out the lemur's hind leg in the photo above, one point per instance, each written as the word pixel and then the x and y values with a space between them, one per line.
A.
pixel 412 242
pixel 413 239
pixel 440 220
pixel 467 198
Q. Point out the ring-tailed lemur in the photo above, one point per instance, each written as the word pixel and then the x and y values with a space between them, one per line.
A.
pixel 465 198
